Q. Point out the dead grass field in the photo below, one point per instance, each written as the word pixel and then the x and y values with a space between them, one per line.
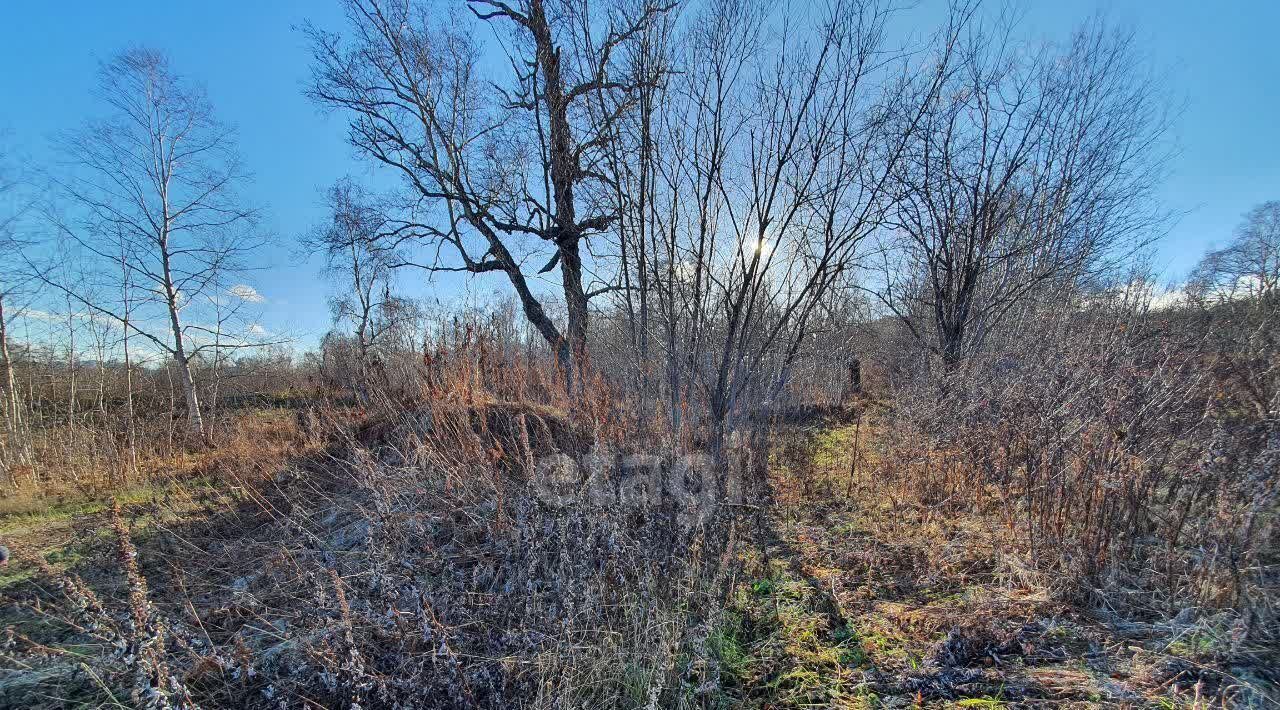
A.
pixel 859 600
pixel 845 598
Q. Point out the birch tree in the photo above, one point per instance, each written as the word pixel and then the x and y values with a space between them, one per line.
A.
pixel 153 192
pixel 12 206
pixel 1236 292
pixel 764 169
pixel 360 265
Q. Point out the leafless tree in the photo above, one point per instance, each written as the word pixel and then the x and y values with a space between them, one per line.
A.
pixel 360 264
pixel 1247 267
pixel 152 195
pixel 770 151
pixel 1031 167
pixel 632 158
pixel 1236 289
pixel 499 169
pixel 13 205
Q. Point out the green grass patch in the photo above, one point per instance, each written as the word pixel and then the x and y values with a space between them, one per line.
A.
pixel 777 649
pixel 833 447
pixel 43 513
pixel 726 644
pixel 46 532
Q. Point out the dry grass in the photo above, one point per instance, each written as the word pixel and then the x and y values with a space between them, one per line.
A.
pixel 394 557
pixel 925 602
pixel 396 553
pixel 90 463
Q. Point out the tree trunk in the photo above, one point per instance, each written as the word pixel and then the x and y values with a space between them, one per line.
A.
pixel 194 420
pixel 12 407
pixel 128 399
pixel 180 357
pixel 128 361
pixel 71 366
pixel 576 302
pixel 564 174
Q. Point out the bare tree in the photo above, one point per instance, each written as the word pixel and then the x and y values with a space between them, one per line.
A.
pixel 1030 167
pixel 633 160
pixel 1247 267
pixel 500 170
pixel 1236 289
pixel 12 206
pixel 361 264
pixel 153 200
pixel 770 155
pixel 12 402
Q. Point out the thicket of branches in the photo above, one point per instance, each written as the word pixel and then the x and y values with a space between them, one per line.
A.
pixel 773 197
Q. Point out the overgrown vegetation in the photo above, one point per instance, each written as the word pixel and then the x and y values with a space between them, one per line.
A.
pixel 851 391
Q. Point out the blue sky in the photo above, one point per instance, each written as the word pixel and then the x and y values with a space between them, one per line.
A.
pixel 1222 60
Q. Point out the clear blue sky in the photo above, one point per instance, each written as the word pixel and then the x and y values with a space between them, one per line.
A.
pixel 1222 59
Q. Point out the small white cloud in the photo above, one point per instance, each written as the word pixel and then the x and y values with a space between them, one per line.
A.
pixel 245 292
pixel 89 317
pixel 36 314
pixel 255 329
pixel 1249 286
